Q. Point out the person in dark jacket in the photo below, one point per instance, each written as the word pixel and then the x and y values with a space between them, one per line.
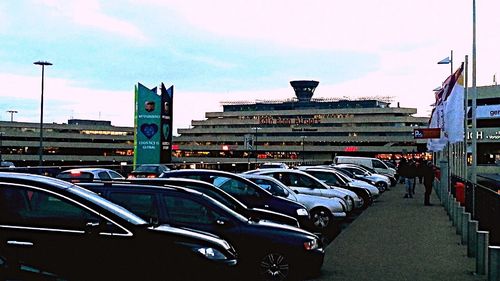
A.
pixel 428 172
pixel 404 171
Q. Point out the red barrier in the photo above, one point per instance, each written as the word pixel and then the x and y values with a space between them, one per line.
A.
pixel 460 193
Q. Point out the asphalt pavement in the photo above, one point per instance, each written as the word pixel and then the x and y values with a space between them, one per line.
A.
pixel 399 239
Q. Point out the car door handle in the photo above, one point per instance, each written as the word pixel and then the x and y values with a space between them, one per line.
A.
pixel 19 243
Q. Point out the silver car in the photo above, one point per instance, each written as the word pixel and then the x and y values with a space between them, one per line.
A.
pixel 323 211
pixel 381 182
pixel 301 182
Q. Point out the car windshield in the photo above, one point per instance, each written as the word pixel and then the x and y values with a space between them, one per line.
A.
pixel 147 169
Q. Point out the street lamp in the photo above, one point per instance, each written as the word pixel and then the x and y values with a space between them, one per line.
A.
pixel 40 151
pixel 255 143
pixel 303 156
pixel 448 60
pixel 12 114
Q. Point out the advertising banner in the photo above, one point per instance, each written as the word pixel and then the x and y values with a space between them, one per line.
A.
pixel 153 125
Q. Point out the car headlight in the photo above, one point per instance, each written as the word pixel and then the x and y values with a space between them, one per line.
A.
pixel 211 253
pixel 302 212
pixel 311 245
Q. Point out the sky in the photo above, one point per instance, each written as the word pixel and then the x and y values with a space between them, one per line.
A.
pixel 232 50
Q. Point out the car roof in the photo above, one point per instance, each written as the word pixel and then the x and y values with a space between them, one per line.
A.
pixel 87 170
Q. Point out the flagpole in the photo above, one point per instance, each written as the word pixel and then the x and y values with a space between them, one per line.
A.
pixel 466 127
pixel 474 97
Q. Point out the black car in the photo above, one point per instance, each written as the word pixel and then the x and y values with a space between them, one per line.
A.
pixel 265 250
pixel 247 192
pixel 54 228
pixel 148 171
pixel 220 195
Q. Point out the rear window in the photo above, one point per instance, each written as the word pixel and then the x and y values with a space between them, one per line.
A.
pixel 76 176
pixel 147 169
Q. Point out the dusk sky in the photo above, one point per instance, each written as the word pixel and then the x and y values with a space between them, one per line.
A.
pixel 232 50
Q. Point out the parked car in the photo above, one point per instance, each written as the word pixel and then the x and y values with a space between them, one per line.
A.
pixel 266 250
pixel 373 163
pixel 375 192
pixel 331 178
pixel 148 171
pixel 89 174
pixel 253 214
pixel 324 211
pixel 392 178
pixel 245 191
pixel 58 229
pixel 304 183
pixel 270 165
pixel 380 181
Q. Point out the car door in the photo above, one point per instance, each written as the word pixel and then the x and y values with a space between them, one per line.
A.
pixel 142 203
pixel 198 213
pixel 45 231
pixel 301 183
pixel 250 195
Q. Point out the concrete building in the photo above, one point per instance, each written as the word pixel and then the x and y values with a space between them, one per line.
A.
pixel 299 130
pixel 79 142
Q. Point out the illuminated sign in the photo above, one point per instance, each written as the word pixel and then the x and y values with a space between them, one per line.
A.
pixel 427 133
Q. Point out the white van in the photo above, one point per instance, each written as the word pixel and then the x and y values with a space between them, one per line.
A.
pixel 373 163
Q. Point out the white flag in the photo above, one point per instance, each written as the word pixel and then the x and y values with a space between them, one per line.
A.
pixel 454 112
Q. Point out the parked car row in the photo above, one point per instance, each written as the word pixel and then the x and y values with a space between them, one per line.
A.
pixel 266 224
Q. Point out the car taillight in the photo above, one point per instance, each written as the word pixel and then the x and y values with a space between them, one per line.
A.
pixel 131 177
pixel 151 176
pixel 75 173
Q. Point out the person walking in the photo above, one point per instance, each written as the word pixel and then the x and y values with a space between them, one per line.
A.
pixel 404 173
pixel 412 174
pixel 428 172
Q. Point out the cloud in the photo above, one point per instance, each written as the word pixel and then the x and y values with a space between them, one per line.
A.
pixel 89 13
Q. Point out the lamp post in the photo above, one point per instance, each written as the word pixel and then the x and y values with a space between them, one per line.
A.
pixel 255 144
pixel 40 151
pixel 303 150
pixel 12 114
pixel 1 146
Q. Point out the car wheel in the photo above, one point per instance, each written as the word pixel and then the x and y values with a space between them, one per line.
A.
pixel 321 218
pixel 382 186
pixel 274 267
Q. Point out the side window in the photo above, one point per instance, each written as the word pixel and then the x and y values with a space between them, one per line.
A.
pixel 328 178
pixel 143 205
pixel 234 187
pixel 377 164
pixel 187 211
pixel 103 176
pixel 302 181
pixel 115 175
pixel 34 208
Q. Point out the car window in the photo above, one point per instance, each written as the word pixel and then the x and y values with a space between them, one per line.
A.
pixel 103 175
pixel 187 211
pixel 378 164
pixel 303 181
pixel 271 186
pixel 326 177
pixel 34 208
pixel 115 175
pixel 142 205
pixel 234 186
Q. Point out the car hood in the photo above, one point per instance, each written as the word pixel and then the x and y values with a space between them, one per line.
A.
pixel 277 226
pixel 330 203
pixel 364 184
pixel 191 233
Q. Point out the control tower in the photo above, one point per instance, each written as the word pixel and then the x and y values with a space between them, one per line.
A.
pixel 304 89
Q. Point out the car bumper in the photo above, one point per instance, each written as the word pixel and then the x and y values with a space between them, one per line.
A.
pixel 310 264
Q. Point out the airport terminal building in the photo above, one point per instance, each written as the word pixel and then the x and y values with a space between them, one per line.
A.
pixel 300 130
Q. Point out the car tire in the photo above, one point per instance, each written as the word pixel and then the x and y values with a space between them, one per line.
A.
pixel 274 266
pixel 321 218
pixel 382 186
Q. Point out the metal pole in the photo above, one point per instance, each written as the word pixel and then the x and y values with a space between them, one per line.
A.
pixel 466 121
pixel 474 97
pixel 40 151
pixel 1 146
pixel 303 161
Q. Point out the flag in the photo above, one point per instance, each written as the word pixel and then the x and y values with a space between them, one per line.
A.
pixel 454 110
pixel 448 113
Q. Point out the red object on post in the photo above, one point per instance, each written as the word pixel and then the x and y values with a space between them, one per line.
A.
pixel 460 192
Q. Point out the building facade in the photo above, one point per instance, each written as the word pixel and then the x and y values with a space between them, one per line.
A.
pixel 77 143
pixel 300 130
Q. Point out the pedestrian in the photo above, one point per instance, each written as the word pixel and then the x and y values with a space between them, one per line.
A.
pixel 420 169
pixel 412 177
pixel 428 171
pixel 404 173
